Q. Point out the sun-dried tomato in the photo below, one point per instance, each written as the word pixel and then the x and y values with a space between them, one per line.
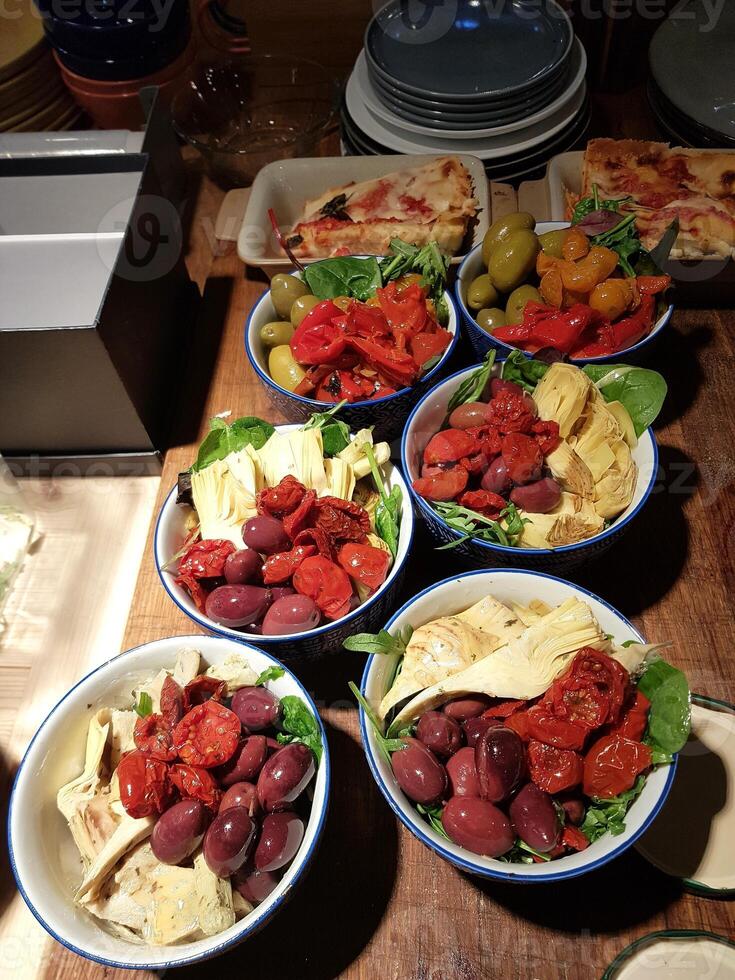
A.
pixel 172 701
pixel 327 584
pixel 488 439
pixel 475 465
pixel 509 412
pixel 484 502
pixel 202 689
pixel 205 559
pixel 302 517
pixel 316 537
pixel 207 735
pixel 342 520
pixel 195 783
pixel 546 435
pixel 152 735
pixel 522 457
pixel 281 500
pixel 144 785
pixel 279 568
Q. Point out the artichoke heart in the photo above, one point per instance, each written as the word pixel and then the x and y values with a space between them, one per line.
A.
pixel 573 519
pixel 570 471
pixel 355 453
pixel 340 478
pixel 222 502
pixel 299 454
pixel 561 395
pixel 129 832
pixel 235 671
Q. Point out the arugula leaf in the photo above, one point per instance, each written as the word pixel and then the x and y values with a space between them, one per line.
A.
pixel 473 525
pixel 524 371
pixel 608 816
pixel 640 390
pixel 386 745
pixel 382 642
pixel 335 432
pixel 223 439
pixel 669 720
pixel 347 276
pixel 400 262
pixel 269 674
pixel 434 816
pixel 388 509
pixel 144 705
pixel 300 725
pixel 474 385
pixel 429 261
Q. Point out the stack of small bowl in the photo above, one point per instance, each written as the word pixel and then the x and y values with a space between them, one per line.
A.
pixel 108 52
pixel 32 95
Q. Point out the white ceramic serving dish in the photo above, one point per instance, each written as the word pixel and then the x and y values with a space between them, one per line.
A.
pixel 327 638
pixel 286 185
pixel 453 595
pixel 43 855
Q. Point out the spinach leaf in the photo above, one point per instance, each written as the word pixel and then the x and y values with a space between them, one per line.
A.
pixel 382 642
pixel 473 525
pixel 300 725
pixel 269 674
pixel 523 371
pixel 335 432
pixel 624 240
pixel 608 816
pixel 223 439
pixel 388 509
pixel 358 278
pixel 144 705
pixel 640 390
pixel 669 720
pixel 474 385
pixel 386 745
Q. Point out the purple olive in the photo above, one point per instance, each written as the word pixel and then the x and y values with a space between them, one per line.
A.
pixel 496 478
pixel 280 839
pixel 574 810
pixel 266 535
pixel 477 825
pixel 537 498
pixel 254 886
pixel 243 567
pixel 419 773
pixel 179 831
pixel 499 386
pixel 246 763
pixel 439 732
pixel 500 760
pixel 284 776
pixel 281 591
pixel 237 605
pixel 292 614
pixel 228 841
pixel 241 794
pixel 475 728
pixel 256 707
pixel 536 818
pixel 468 707
pixel 462 773
pixel 468 415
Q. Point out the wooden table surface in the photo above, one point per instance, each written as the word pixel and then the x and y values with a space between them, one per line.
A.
pixel 377 903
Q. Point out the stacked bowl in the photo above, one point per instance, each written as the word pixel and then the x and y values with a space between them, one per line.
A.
pixel 505 82
pixel 109 51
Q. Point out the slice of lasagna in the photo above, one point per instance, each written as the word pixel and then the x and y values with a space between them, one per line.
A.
pixel 433 202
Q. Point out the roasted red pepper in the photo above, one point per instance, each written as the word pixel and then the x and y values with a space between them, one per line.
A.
pixel 396 365
pixel 545 326
pixel 633 328
pixel 404 309
pixel 653 285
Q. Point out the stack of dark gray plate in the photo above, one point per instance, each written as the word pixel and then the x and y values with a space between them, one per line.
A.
pixel 503 81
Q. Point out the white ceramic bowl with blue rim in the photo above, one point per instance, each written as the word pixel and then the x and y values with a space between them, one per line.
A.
pixel 43 855
pixel 482 341
pixel 451 596
pixel 386 414
pixel 327 638
pixel 428 417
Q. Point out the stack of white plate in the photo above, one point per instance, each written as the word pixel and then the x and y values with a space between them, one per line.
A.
pixel 694 105
pixel 503 81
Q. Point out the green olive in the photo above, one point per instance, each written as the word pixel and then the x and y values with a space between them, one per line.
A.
pixel 517 302
pixel 552 242
pixel 499 230
pixel 284 290
pixel 283 368
pixel 513 261
pixel 302 306
pixel 276 332
pixel 490 319
pixel 481 292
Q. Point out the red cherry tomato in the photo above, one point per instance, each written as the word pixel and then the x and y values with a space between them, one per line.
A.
pixel 207 735
pixel 153 736
pixel 442 486
pixel 195 783
pixel 522 457
pixel 144 785
pixel 592 691
pixel 633 721
pixel 547 728
pixel 282 499
pixel 612 765
pixel 203 689
pixel 365 564
pixel 326 583
pixel 554 770
pixel 449 446
pixel 172 702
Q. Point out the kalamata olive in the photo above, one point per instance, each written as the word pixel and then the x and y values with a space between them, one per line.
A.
pixel 468 707
pixel 499 386
pixel 439 732
pixel 466 416
pixel 228 841
pixel 243 567
pixel 280 839
pixel 273 745
pixel 419 773
pixel 254 886
pixel 462 773
pixel 574 809
pixel 241 794
pixel 237 605
pixel 500 762
pixel 281 591
pixel 537 498
pixel 284 776
pixel 256 707
pixel 496 478
pixel 477 825
pixel 535 818
pixel 475 728
pixel 179 831
pixel 266 535
pixel 246 763
pixel 292 614
pixel 530 404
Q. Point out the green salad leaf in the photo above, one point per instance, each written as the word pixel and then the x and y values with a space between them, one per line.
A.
pixel 473 525
pixel 624 240
pixel 223 439
pixel 382 642
pixel 434 816
pixel 386 746
pixel 299 725
pixel 144 705
pixel 335 432
pixel 346 276
pixel 524 371
pixel 608 816
pixel 669 720
pixel 269 674
pixel 388 509
pixel 640 390
pixel 431 264
pixel 473 386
